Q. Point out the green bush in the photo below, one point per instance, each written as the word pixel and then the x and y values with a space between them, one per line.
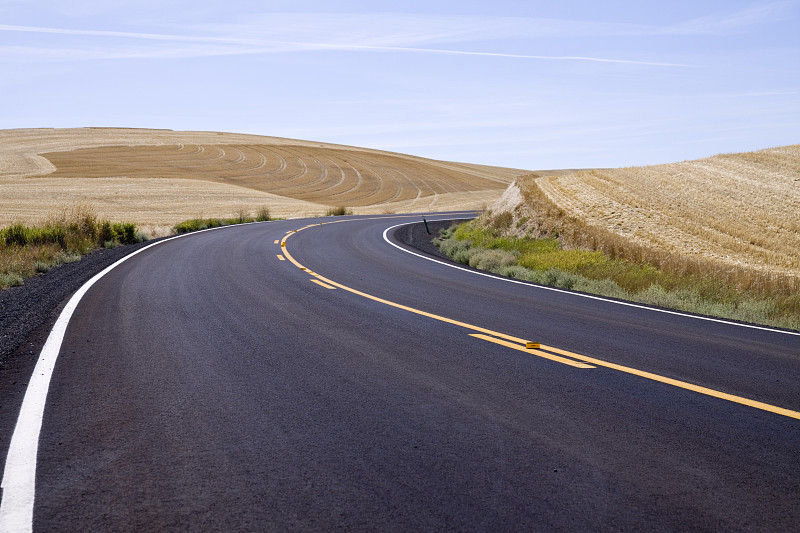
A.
pixel 521 273
pixel 491 260
pixel 243 217
pixel 29 250
pixel 124 233
pixel 197 224
pixel 545 262
pixel 10 279
pixel 15 235
pixel 338 211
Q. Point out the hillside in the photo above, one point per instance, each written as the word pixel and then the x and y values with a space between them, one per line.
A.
pixel 734 213
pixel 160 177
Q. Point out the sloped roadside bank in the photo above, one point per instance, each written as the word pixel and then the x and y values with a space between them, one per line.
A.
pixel 544 261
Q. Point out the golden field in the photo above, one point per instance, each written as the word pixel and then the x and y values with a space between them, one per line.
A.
pixel 737 212
pixel 156 178
pixel 733 213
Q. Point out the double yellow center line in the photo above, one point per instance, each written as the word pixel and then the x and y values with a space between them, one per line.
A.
pixel 547 352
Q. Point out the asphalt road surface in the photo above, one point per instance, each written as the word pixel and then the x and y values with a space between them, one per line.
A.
pixel 254 378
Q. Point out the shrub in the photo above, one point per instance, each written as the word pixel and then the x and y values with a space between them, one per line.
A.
pixel 551 277
pixel 197 224
pixel 544 261
pixel 10 279
pixel 124 233
pixel 242 218
pixel 521 273
pixel 464 256
pixel 262 215
pixel 338 211
pixel 601 287
pixel 29 250
pixel 71 257
pixel 502 221
pixel 451 247
pixel 491 260
pixel 105 233
pixel 15 235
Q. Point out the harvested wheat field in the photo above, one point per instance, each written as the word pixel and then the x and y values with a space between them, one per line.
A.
pixel 160 177
pixel 738 210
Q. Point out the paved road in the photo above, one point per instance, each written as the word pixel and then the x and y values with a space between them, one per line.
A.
pixel 207 385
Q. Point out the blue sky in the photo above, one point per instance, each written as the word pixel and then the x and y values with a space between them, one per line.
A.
pixel 525 84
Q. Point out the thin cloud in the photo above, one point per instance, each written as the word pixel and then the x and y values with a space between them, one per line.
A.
pixel 17 53
pixel 107 33
pixel 736 22
pixel 249 46
pixel 514 56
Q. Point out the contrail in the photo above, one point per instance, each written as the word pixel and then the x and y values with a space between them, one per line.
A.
pixel 323 46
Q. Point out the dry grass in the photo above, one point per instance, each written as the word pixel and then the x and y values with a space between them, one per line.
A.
pixel 156 178
pixel 731 218
pixel 29 250
pixel 737 210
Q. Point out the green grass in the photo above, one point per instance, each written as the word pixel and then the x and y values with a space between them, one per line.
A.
pixel 338 211
pixel 26 251
pixel 547 262
pixel 244 217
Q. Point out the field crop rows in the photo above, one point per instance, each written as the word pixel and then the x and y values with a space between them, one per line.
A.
pixel 162 177
pixel 318 175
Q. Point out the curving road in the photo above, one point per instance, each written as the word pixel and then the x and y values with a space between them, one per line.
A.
pixel 208 385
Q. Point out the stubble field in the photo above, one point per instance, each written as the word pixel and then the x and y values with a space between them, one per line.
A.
pixel 739 211
pixel 156 178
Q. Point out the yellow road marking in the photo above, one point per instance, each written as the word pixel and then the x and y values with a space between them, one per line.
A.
pixel 404 307
pixel 318 282
pixel 281 257
pixel 276 241
pixel 682 384
pixel 540 353
pixel 599 362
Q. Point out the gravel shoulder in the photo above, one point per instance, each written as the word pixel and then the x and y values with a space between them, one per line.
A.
pixel 416 236
pixel 25 309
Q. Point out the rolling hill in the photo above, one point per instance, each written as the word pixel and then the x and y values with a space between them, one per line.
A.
pixel 737 214
pixel 160 177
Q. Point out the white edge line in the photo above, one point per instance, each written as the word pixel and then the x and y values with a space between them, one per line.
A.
pixel 581 295
pixel 19 475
